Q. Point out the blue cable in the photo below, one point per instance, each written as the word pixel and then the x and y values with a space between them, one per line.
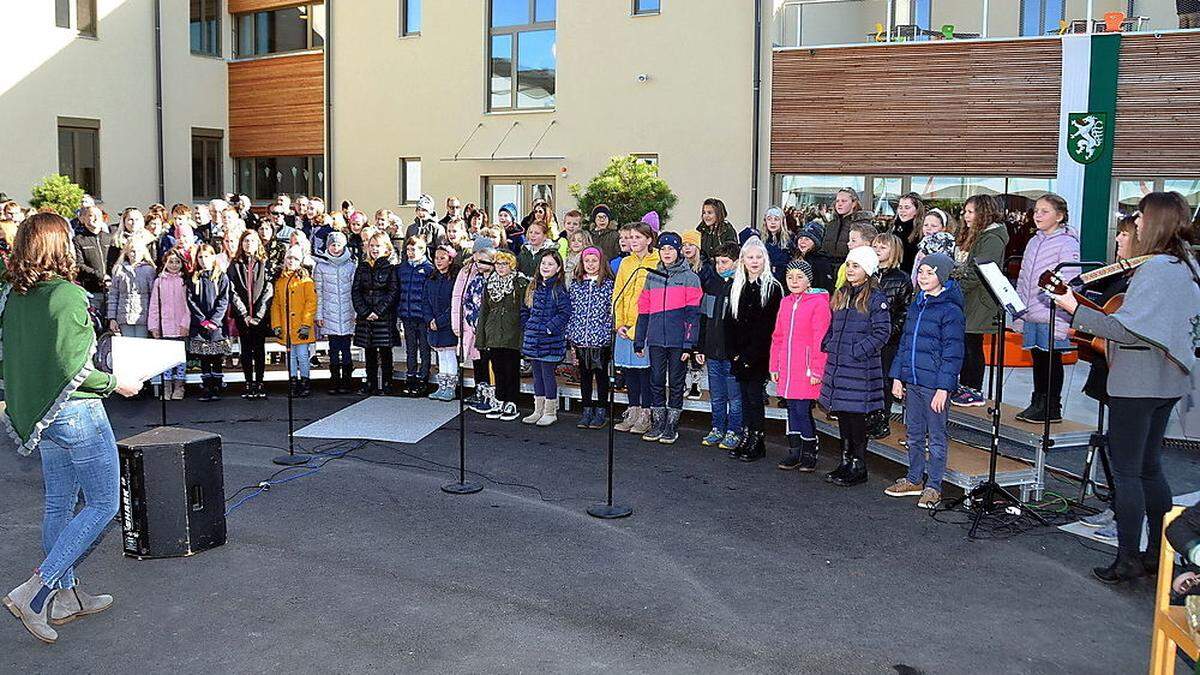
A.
pixel 267 485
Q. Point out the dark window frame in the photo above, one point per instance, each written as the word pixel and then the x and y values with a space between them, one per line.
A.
pixel 76 126
pixel 405 11
pixel 313 164
pixel 1043 24
pixel 213 144
pixel 515 68
pixel 310 32
pixel 207 40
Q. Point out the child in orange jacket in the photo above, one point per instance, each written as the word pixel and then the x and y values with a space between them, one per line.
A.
pixel 293 317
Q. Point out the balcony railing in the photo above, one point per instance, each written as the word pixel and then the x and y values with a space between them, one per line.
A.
pixel 812 23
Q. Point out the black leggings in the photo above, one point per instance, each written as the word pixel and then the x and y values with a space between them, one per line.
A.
pixel 379 364
pixel 1135 448
pixel 506 363
pixel 1049 383
pixel 853 429
pixel 586 376
pixel 479 369
pixel 754 404
pixel 254 357
pixel 972 369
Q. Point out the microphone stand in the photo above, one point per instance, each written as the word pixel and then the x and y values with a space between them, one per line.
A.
pixel 162 377
pixel 290 459
pixel 462 487
pixel 608 510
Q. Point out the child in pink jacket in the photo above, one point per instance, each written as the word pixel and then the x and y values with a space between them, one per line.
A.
pixel 797 362
pixel 169 317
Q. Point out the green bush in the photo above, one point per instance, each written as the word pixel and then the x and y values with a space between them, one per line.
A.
pixel 630 188
pixel 59 193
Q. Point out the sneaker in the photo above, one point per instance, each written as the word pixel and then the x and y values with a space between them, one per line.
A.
pixel 1100 520
pixel 731 441
pixel 714 437
pixel 904 488
pixel 494 412
pixel 1107 534
pixel 929 499
pixel 510 412
pixel 968 398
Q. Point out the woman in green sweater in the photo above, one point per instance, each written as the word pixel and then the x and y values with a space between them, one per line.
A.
pixel 53 403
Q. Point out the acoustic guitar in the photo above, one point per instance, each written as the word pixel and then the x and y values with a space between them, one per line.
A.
pixel 1091 348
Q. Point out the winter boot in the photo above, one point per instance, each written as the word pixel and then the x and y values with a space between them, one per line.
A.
pixel 879 426
pixel 808 455
pixel 550 413
pixel 658 425
pixel 474 398
pixel 20 601
pixel 214 393
pixel 177 390
pixel 440 391
pixel 743 446
pixel 671 430
pixel 599 418
pixel 1034 412
pixel 643 422
pixel 70 604
pixel 539 409
pixel 1127 567
pixel 585 420
pixel 792 461
pixel 348 382
pixel 843 468
pixel 305 387
pixel 484 399
pixel 632 413
pixel 855 474
pixel 370 384
pixel 756 449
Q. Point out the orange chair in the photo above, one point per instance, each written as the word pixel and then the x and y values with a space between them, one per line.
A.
pixel 1113 21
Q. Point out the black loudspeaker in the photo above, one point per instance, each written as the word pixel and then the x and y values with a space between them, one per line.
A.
pixel 172 493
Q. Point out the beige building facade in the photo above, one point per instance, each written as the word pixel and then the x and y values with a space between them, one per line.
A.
pixel 78 87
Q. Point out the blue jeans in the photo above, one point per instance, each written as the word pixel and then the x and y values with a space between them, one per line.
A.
pixel 339 351
pixel 79 452
pixel 800 419
pixel 921 421
pixel 725 397
pixel 298 358
pixel 416 344
pixel 666 363
pixel 544 383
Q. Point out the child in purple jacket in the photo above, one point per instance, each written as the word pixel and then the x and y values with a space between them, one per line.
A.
pixel 1053 244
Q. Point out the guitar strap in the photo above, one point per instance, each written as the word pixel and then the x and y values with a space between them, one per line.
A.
pixel 1119 267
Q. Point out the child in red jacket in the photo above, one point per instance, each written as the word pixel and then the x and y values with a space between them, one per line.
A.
pixel 797 362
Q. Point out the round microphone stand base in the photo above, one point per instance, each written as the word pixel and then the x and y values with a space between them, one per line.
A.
pixel 291 460
pixel 457 488
pixel 610 511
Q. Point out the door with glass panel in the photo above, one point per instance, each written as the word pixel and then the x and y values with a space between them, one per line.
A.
pixel 521 192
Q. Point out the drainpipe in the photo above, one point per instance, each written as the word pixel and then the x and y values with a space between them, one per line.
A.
pixel 757 110
pixel 329 4
pixel 158 101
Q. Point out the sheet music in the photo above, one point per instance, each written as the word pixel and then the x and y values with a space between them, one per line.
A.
pixel 1002 288
pixel 143 358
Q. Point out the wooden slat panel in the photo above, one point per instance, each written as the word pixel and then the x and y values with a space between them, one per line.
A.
pixel 242 6
pixel 940 108
pixel 1158 107
pixel 277 107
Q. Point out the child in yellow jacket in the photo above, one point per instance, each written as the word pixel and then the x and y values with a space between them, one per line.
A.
pixel 293 315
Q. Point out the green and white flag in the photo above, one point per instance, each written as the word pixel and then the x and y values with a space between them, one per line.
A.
pixel 1087 119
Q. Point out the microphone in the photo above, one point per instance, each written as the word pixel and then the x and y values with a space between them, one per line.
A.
pixel 655 272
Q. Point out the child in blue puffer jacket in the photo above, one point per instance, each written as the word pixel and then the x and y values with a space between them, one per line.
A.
pixel 411 276
pixel 545 313
pixel 926 371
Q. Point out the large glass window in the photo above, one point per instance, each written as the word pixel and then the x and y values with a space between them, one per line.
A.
pixel 77 14
pixel 410 17
pixel 79 152
pixel 207 153
pixel 1039 17
pixel 816 192
pixel 1190 189
pixel 262 178
pixel 522 45
pixel 646 7
pixel 410 180
pixel 205 27
pixel 280 30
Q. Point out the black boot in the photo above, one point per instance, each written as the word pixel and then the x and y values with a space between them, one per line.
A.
pixel 757 448
pixel 1054 409
pixel 855 475
pixel 792 461
pixel 348 382
pixel 335 379
pixel 305 387
pixel 1127 567
pixel 260 391
pixel 879 426
pixel 842 468
pixel 215 394
pixel 808 455
pixel 743 445
pixel 206 387
pixel 1150 560
pixel 1034 412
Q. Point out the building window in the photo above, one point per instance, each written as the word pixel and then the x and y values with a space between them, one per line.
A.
pixel 650 158
pixel 205 27
pixel 79 152
pixel 522 61
pixel 410 17
pixel 280 31
pixel 641 7
pixel 77 14
pixel 1039 17
pixel 410 180
pixel 262 178
pixel 207 156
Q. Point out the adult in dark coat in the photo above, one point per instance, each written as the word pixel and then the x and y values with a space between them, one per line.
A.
pixel 374 297
pixel 847 211
pixel 95 256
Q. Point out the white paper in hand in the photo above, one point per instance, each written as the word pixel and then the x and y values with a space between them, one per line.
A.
pixel 142 358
